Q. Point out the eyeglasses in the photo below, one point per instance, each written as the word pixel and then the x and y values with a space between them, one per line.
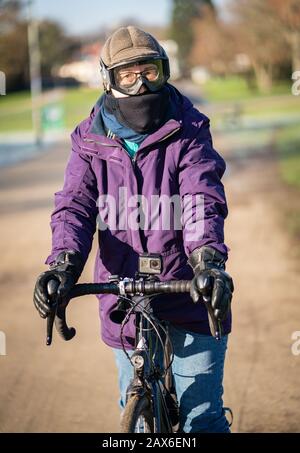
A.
pixel 130 77
pixel 127 78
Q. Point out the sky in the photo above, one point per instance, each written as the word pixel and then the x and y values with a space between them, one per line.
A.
pixel 88 16
pixel 84 16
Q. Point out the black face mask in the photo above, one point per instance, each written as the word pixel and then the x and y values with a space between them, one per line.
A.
pixel 144 113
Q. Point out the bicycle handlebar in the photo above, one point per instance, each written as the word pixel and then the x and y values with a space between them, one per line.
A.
pixel 129 287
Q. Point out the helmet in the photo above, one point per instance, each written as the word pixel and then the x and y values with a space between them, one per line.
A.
pixel 128 47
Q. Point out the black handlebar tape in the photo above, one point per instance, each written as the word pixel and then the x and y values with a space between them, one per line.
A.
pixel 131 287
pixel 67 333
pixel 83 289
pixel 52 286
pixel 57 316
pixel 176 286
pixel 50 322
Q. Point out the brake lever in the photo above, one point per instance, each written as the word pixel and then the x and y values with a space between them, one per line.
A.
pixel 52 290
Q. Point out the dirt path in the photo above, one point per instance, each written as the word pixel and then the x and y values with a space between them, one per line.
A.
pixel 72 386
pixel 262 374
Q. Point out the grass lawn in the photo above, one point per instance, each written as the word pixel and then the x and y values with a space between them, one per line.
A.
pixel 15 108
pixel 290 168
pixel 231 99
pixel 236 88
pixel 78 103
pixel 288 146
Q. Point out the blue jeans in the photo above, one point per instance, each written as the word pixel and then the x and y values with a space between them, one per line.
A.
pixel 198 374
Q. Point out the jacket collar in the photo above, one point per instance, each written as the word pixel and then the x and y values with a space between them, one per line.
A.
pixel 96 133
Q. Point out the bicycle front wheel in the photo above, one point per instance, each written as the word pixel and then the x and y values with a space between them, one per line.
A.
pixel 137 416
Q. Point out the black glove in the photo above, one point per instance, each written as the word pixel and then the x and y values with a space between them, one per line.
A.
pixel 211 281
pixel 66 271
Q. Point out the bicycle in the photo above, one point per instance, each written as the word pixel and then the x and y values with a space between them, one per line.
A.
pixel 151 403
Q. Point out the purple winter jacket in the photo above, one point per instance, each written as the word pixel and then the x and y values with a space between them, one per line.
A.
pixel 176 160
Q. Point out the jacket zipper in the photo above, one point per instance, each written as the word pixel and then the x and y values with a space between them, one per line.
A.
pixel 88 140
pixel 134 158
pixel 169 135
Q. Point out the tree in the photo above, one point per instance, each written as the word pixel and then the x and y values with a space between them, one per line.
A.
pixel 184 12
pixel 266 32
pixel 287 13
pixel 214 45
pixel 13 45
pixel 259 35
pixel 10 13
pixel 55 46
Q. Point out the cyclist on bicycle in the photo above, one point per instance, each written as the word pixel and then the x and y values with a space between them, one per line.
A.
pixel 143 138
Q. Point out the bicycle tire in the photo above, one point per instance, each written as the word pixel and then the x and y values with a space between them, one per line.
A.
pixel 137 407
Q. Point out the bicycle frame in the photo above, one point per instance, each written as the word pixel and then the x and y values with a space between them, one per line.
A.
pixel 148 379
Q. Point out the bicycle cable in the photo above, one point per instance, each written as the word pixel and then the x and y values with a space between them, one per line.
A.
pixel 168 340
pixel 150 319
pixel 126 320
pixel 156 324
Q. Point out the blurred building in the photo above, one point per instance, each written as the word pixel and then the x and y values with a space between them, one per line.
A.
pixel 171 48
pixel 85 67
pixel 200 75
